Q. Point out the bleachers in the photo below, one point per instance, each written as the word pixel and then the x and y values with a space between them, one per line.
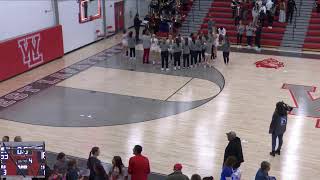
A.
pixel 312 40
pixel 221 14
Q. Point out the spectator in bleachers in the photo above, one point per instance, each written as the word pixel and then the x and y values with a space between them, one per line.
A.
pixel 177 49
pixel 164 46
pixel 269 8
pixel 118 171
pixel 291 7
pixel 100 173
pixel 249 32
pixel 238 14
pixel 318 6
pixel 93 161
pixel 17 139
pixel 146 43
pixel 234 4
pixel 227 169
pixel 222 32
pixel 195 177
pixel 5 139
pixel 137 23
pixel 255 14
pixel 234 148
pixel 262 15
pixel 72 172
pixel 282 15
pixel 262 173
pixel 225 47
pixel 240 31
pixel 61 166
pixel 177 173
pixel 139 167
pixel 210 26
pixel 132 45
pixel 258 37
pixel 186 53
pixel 245 10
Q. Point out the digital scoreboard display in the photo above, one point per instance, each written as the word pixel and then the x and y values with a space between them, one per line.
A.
pixel 22 159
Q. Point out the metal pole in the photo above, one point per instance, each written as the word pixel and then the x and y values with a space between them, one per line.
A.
pixel 56 11
pixel 104 23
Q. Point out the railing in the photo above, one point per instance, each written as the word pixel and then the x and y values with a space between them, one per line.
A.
pixel 295 19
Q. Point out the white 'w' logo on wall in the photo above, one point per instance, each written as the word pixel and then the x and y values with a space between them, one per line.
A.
pixel 29 47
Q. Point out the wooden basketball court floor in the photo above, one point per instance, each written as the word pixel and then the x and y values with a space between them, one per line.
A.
pixel 194 137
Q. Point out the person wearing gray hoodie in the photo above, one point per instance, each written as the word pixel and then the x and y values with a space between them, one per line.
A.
pixel 132 45
pixel 146 43
pixel 226 49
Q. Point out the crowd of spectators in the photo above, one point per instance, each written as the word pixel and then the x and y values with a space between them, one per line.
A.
pixel 139 166
pixel 165 16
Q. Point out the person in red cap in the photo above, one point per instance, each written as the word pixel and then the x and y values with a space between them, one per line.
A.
pixel 139 167
pixel 177 173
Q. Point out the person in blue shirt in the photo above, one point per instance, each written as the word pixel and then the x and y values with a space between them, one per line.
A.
pixel 262 173
pixel 227 170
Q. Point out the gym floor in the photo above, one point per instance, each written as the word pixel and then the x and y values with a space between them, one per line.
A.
pixel 96 97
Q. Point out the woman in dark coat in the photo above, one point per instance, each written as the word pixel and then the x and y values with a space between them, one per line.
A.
pixel 234 148
pixel 278 126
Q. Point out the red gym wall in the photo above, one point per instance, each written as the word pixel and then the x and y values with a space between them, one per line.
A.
pixel 29 51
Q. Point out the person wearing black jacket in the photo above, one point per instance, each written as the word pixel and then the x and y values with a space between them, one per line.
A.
pixel 93 162
pixel 234 148
pixel 278 126
pixel 136 24
pixel 291 7
pixel 258 37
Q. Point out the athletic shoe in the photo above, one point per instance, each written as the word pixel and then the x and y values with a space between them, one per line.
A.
pixel 167 69
pixel 162 69
pixel 175 68
pixel 153 62
pixel 179 67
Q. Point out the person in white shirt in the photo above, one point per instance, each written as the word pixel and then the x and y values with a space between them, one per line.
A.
pixel 222 32
pixel 155 49
pixel 255 14
pixel 269 8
